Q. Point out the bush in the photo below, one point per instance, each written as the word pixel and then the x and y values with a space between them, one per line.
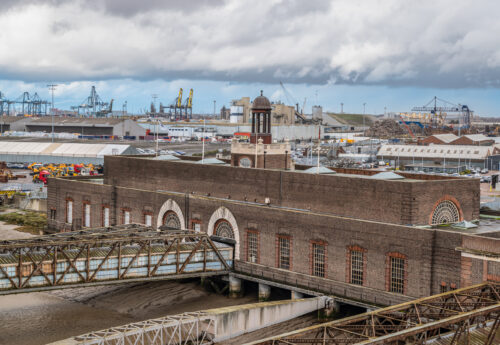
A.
pixel 31 222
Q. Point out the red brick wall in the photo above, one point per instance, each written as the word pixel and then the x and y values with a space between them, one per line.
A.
pixel 399 202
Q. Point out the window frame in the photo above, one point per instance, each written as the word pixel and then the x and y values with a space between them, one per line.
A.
pixel 69 215
pixel 390 283
pixel 249 233
pixel 86 204
pixel 279 262
pixel 312 256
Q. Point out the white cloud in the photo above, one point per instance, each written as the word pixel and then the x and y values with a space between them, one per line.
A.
pixel 441 43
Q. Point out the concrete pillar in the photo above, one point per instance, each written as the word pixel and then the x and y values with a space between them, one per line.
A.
pixel 332 308
pixel 235 290
pixel 297 295
pixel 264 292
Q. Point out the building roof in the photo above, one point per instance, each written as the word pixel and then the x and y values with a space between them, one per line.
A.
pixel 477 137
pixel 166 158
pixel 261 103
pixel 38 150
pixel 11 119
pixel 445 138
pixel 75 121
pixel 387 175
pixel 210 161
pixel 435 151
pixel 320 170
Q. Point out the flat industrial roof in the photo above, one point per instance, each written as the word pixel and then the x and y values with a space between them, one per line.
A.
pixel 61 149
pixel 436 151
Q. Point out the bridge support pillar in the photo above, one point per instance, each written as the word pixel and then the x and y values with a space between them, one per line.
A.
pixel 235 289
pixel 297 295
pixel 264 292
pixel 332 308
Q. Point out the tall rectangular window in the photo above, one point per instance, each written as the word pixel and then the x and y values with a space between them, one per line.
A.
pixel 86 215
pixel 318 260
pixel 126 217
pixel 356 267
pixel 252 247
pixel 397 275
pixel 284 252
pixel 148 219
pixel 69 211
pixel 105 216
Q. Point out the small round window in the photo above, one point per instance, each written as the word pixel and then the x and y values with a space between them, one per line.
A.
pixel 245 162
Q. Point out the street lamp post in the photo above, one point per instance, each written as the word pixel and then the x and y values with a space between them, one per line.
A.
pixel 52 88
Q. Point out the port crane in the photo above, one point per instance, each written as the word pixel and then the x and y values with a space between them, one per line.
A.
pixel 179 110
pixel 93 105
pixel 438 113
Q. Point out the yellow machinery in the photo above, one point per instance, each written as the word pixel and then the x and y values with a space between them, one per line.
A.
pixel 179 99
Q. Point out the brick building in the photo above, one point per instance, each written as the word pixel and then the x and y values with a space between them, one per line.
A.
pixel 351 233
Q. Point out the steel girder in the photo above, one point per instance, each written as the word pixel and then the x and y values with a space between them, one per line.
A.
pixel 415 322
pixel 196 328
pixel 83 257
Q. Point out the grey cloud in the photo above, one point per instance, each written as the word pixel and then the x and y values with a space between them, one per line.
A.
pixel 389 42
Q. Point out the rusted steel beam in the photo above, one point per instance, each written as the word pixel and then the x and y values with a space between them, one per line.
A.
pixel 102 262
pixel 132 261
pixel 188 259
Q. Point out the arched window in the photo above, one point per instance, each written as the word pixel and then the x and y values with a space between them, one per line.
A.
pixel 223 229
pixel 171 221
pixel 446 212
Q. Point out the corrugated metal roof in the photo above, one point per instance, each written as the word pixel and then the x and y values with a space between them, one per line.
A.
pixel 477 137
pixel 446 138
pixel 436 151
pixel 61 149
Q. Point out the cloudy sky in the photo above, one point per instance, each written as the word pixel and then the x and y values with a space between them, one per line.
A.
pixel 386 53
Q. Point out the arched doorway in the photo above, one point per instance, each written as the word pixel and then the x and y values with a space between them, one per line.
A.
pixel 171 213
pixel 171 220
pixel 222 223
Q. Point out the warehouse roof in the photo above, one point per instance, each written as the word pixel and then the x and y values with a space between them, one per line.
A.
pixel 436 151
pixel 76 121
pixel 477 137
pixel 445 138
pixel 62 149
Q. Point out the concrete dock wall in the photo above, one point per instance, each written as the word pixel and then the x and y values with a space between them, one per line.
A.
pixel 234 321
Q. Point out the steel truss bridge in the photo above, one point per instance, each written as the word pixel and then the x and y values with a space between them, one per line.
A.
pixel 465 316
pixel 197 328
pixel 109 255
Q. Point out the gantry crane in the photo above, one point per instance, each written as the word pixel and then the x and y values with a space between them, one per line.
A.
pixel 438 113
pixel 92 105
pixel 188 107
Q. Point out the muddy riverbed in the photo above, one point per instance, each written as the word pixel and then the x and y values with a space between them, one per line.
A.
pixel 44 317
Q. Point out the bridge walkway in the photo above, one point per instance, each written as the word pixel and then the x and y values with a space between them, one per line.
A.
pixel 125 253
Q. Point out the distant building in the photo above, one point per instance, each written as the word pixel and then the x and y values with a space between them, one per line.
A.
pixel 440 139
pixel 86 126
pixel 474 139
pixel 281 114
pixel 471 156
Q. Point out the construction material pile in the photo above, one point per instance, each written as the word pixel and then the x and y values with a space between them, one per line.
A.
pixel 385 129
pixel 6 174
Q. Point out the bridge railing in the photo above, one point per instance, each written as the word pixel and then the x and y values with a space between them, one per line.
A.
pixel 127 253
